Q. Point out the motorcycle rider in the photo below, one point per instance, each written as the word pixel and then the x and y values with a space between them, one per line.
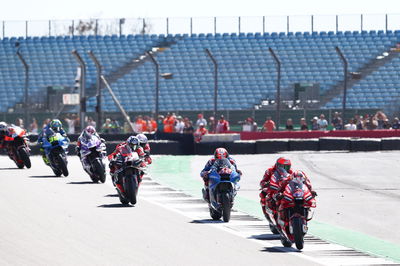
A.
pixel 282 166
pixel 88 133
pixel 116 157
pixel 7 133
pixel 219 153
pixel 55 126
pixel 144 143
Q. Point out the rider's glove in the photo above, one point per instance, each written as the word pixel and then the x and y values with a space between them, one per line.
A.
pixel 239 172
pixel 314 193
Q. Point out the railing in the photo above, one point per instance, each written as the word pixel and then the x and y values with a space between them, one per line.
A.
pixel 200 25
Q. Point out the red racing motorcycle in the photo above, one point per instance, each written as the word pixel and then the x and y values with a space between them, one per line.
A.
pixel 17 147
pixel 127 175
pixel 294 211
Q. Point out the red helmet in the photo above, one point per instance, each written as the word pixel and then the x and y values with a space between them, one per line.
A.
pixel 283 163
pixel 221 153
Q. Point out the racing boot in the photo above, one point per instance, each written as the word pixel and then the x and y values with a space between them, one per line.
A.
pixel 206 194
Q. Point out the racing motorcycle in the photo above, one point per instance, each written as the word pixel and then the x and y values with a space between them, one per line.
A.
pixel 55 147
pixel 223 185
pixel 17 147
pixel 275 182
pixel 92 154
pixel 127 175
pixel 294 213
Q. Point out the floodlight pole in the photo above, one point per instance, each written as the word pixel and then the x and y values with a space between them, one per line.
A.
pixel 215 81
pixel 345 66
pixel 82 88
pixel 98 88
pixel 26 100
pixel 157 65
pixel 278 88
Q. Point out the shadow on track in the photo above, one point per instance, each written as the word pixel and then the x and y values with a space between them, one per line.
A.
pixel 9 168
pixel 45 176
pixel 266 237
pixel 280 250
pixel 207 221
pixel 81 183
pixel 115 205
pixel 112 195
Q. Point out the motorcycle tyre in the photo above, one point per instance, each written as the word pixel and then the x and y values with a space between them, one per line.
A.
pixel 298 233
pixel 98 169
pixel 23 154
pixel 131 188
pixel 122 199
pixel 285 242
pixel 57 172
pixel 19 165
pixel 215 215
pixel 63 165
pixel 273 229
pixel 226 207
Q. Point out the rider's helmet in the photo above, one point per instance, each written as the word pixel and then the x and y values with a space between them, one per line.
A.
pixel 3 128
pixel 89 131
pixel 283 163
pixel 142 138
pixel 299 176
pixel 221 153
pixel 133 142
pixel 56 125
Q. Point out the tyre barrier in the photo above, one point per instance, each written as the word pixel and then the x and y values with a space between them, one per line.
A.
pixel 334 144
pixel 241 147
pixel 388 144
pixel 365 144
pixel 303 145
pixel 272 145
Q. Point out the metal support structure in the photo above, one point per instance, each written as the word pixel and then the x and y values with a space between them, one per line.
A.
pixel 278 88
pixel 312 23
pixel 26 99
pixel 167 26
pixel 215 25
pixel 215 81
pixel 287 24
pixel 127 119
pixel 98 88
pixel 386 22
pixel 157 84
pixel 26 29
pixel 361 22
pixel 264 24
pixel 191 26
pixel 337 23
pixel 239 25
pixel 49 28
pixel 345 66
pixel 82 89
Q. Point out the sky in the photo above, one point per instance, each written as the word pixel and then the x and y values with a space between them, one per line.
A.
pixel 83 9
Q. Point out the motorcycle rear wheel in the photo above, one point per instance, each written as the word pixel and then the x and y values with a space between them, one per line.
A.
pixel 131 188
pixel 25 157
pixel 226 207
pixel 298 232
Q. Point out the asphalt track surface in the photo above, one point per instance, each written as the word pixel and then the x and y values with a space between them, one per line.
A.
pixel 47 220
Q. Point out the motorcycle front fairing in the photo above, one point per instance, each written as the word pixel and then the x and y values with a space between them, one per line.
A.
pixel 218 185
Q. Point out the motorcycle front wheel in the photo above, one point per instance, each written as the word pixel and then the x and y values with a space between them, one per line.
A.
pixel 215 215
pixel 23 154
pixel 98 169
pixel 226 207
pixel 131 188
pixel 63 164
pixel 298 232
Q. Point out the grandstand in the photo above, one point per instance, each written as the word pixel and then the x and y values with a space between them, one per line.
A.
pixel 247 73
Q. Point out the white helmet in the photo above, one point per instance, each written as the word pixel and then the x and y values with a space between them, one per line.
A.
pixel 142 138
pixel 3 127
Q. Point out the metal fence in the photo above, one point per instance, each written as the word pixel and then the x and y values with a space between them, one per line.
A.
pixel 197 25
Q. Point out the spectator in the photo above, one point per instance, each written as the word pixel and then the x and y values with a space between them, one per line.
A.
pixel 151 124
pixel 211 124
pixel 19 122
pixel 289 124
pixel 200 132
pixel 169 123
pixel 337 122
pixel 269 125
pixel 222 125
pixel 179 125
pixel 115 127
pixel 314 123
pixel 249 125
pixel 91 122
pixel 322 123
pixel 33 127
pixel 188 129
pixel 380 118
pixel 140 125
pixel 358 120
pixel 160 123
pixel 303 124
pixel 106 127
pixel 396 123
pixel 386 124
pixel 126 127
pixel 70 124
pixel 200 119
pixel 46 122
pixel 350 125
pixel 371 123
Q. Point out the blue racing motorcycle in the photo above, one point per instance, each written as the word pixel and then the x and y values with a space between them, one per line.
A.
pixel 222 183
pixel 55 147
